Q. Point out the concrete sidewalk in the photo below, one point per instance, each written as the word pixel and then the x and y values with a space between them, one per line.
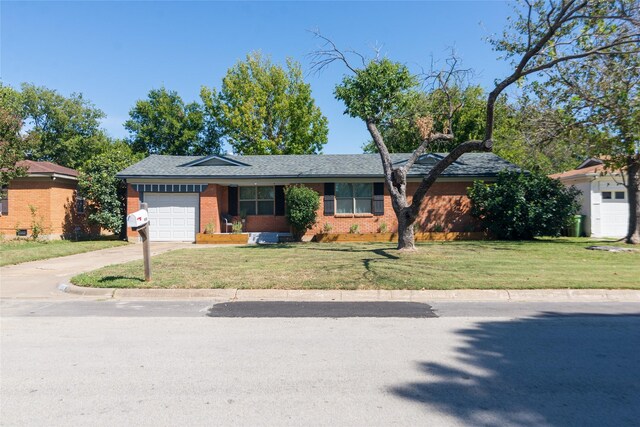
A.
pixel 554 295
pixel 40 279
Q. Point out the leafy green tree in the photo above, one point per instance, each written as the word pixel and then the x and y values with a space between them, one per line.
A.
pixel 13 146
pixel 302 204
pixel 105 193
pixel 542 35
pixel 11 101
pixel 264 109
pixel 63 130
pixel 164 124
pixel 604 96
pixel 540 137
pixel 467 120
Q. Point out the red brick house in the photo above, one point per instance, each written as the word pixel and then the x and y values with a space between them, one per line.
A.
pixel 185 193
pixel 52 190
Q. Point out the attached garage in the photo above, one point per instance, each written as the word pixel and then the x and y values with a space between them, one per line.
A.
pixel 173 217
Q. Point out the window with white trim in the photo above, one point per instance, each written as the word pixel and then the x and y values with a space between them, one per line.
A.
pixel 258 200
pixel 353 197
pixel 619 195
pixel 606 195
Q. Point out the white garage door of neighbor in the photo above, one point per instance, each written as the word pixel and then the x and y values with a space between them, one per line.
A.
pixel 614 216
pixel 172 216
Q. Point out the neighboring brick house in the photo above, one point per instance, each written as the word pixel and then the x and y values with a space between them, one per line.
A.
pixel 52 190
pixel 185 193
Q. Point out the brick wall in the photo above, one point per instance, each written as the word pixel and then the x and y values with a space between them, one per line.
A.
pixel 133 204
pixel 209 211
pixel 54 201
pixel 446 207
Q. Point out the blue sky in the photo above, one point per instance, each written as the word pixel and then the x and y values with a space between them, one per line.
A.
pixel 114 52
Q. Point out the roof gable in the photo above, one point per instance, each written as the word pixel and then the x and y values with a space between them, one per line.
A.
pixel 215 160
pixel 590 162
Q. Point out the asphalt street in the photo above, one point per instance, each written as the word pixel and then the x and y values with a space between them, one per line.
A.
pixel 443 364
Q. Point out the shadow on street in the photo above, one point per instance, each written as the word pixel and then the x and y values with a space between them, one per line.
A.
pixel 552 369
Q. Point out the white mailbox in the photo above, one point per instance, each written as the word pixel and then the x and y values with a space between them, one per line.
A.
pixel 138 218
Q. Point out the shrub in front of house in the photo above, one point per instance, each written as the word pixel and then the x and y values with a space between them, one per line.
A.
pixel 302 204
pixel 520 207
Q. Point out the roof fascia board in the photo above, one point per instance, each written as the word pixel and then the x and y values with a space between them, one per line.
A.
pixel 48 175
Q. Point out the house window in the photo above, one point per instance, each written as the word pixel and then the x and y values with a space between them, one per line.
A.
pixel 619 195
pixel 80 205
pixel 4 200
pixel 606 195
pixel 353 198
pixel 257 200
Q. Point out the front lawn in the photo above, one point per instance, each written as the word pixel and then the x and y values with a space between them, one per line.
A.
pixel 17 251
pixel 552 263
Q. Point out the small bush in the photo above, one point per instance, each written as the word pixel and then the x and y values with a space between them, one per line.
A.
pixel 438 228
pixel 521 207
pixel 210 228
pixel 37 228
pixel 382 228
pixel 302 204
pixel 236 227
pixel 354 229
pixel 327 228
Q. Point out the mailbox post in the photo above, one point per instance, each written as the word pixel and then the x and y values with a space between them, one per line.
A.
pixel 139 221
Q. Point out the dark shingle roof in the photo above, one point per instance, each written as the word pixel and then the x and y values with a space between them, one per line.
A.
pixel 309 166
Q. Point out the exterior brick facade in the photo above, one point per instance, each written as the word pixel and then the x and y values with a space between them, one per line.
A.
pixel 55 204
pixel 133 204
pixel 446 208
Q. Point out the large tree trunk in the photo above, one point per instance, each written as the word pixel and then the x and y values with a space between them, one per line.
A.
pixel 405 232
pixel 633 190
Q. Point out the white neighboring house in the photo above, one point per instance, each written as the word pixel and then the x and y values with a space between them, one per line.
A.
pixel 604 198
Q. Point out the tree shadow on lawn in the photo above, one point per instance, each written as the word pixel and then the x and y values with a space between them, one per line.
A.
pixel 383 252
pixel 553 369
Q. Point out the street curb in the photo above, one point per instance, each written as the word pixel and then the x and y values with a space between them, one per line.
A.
pixel 80 290
pixel 514 295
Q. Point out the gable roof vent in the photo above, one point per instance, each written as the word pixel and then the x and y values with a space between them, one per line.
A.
pixel 215 160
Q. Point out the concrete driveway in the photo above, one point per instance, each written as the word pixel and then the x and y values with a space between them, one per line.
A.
pixel 40 279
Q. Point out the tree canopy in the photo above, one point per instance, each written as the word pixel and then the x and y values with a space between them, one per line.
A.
pixel 98 183
pixel 12 147
pixel 164 124
pixel 61 130
pixel 263 108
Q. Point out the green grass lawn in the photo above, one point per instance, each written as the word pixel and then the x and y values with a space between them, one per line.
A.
pixel 557 263
pixel 17 251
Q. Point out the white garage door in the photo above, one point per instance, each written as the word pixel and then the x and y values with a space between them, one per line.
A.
pixel 173 217
pixel 614 214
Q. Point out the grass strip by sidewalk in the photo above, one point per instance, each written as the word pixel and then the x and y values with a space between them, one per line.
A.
pixel 18 251
pixel 548 263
